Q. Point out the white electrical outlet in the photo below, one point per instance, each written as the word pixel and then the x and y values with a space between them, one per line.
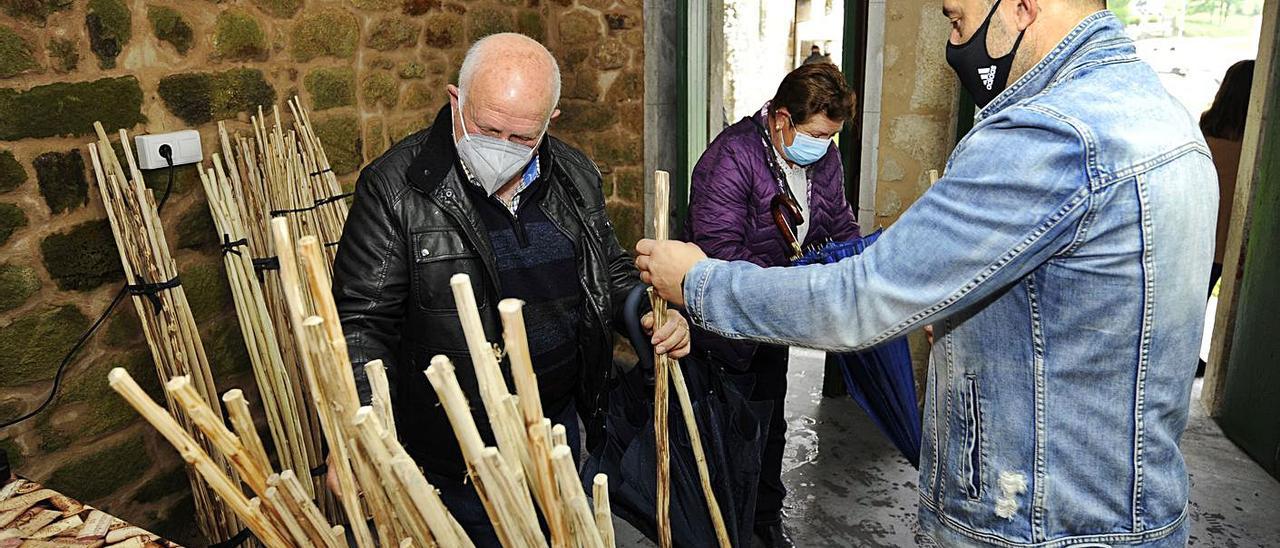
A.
pixel 184 146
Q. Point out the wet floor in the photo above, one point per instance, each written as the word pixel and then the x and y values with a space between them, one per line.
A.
pixel 849 487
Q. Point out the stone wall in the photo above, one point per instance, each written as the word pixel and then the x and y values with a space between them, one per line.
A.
pixel 373 71
pixel 917 116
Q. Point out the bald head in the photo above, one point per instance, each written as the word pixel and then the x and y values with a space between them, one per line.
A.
pixel 510 67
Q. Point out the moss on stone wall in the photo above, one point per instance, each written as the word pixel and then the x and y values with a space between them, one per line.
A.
pixel 325 32
pixel 237 36
pixel 164 484
pixel 110 27
pixel 32 345
pixel 16 53
pixel 381 88
pixel 12 175
pixel 278 8
pixel 17 284
pixel 411 70
pixel 443 30
pixel 224 346
pixel 70 108
pixel 83 257
pixel 341 138
pixel 123 330
pixel 102 472
pixel 11 219
pixel 35 10
pixel 393 32
pixel 62 181
pixel 485 20
pixel 202 97
pixel 196 229
pixel 184 178
pixel 169 26
pixel 97 409
pixel 208 291
pixel 331 87
pixel 64 54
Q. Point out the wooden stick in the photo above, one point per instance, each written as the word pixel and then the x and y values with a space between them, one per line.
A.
pixel 376 374
pixel 584 523
pixel 242 421
pixel 123 384
pixel 662 366
pixel 604 517
pixel 310 511
pixel 704 476
pixel 428 503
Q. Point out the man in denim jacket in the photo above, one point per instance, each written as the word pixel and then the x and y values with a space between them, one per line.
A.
pixel 1063 261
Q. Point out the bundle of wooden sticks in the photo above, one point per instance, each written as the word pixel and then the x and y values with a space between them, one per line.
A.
pixel 532 463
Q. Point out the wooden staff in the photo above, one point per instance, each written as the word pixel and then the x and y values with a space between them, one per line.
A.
pixel 665 368
pixel 329 537
pixel 584 523
pixel 604 517
pixel 242 422
pixel 123 384
pixel 376 374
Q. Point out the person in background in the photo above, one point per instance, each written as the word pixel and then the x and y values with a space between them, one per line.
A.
pixel 1223 127
pixel 816 56
pixel 784 149
pixel 1062 259
pixel 486 191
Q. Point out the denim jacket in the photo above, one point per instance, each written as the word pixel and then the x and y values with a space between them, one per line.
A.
pixel 1063 261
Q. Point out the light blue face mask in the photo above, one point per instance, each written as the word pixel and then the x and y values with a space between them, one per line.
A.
pixel 806 149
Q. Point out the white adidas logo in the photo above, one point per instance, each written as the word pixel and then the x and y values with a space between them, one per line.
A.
pixel 988 75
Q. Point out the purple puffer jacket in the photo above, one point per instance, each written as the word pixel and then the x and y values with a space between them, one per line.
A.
pixel 732 187
pixel 730 216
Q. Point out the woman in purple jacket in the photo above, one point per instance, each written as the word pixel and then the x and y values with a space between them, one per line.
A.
pixel 786 149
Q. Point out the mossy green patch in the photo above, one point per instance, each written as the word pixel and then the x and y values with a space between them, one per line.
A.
pixel 628 222
pixel 583 115
pixel 208 291
pixel 237 36
pixel 11 173
pixel 579 27
pixel 196 228
pixel 16 53
pixel 443 30
pixel 70 108
pixel 381 88
pixel 411 70
pixel 35 10
pixel 97 409
pixel 340 136
pixel 11 219
pixel 202 97
pixel 32 345
pixel 374 4
pixel 325 32
pixel 279 8
pixel 110 27
pixel 17 284
pixel 83 257
pixel 62 180
pixel 531 23
pixel 419 95
pixel 393 32
pixel 331 87
pixel 165 484
pixel 64 54
pixel 170 27
pixel 618 149
pixel 123 330
pixel 485 20
pixel 185 177
pixel 103 471
pixel 11 448
pixel 224 346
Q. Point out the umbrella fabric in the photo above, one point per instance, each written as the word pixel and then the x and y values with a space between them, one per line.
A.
pixel 880 378
pixel 730 427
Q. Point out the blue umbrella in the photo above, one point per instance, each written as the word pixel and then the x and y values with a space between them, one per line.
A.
pixel 880 378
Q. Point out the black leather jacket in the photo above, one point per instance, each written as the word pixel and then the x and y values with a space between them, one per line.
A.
pixel 411 227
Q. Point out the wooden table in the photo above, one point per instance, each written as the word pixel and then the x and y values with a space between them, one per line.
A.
pixel 32 516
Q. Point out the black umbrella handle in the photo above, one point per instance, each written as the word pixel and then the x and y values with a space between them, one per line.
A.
pixel 632 311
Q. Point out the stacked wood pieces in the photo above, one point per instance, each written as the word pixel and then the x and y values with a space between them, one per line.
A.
pixel 668 370
pixel 532 462
pixel 160 302
pixel 295 443
pixel 36 517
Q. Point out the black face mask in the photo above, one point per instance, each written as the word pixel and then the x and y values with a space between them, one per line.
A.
pixel 979 73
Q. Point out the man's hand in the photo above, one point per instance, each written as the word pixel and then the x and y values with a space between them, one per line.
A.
pixel 664 264
pixel 672 339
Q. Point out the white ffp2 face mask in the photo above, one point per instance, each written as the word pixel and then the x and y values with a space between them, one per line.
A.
pixel 491 161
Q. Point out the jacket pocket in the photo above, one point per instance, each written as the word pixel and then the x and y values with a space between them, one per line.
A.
pixel 973 439
pixel 438 255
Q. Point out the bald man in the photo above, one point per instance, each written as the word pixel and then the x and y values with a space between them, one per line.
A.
pixel 487 192
pixel 1062 260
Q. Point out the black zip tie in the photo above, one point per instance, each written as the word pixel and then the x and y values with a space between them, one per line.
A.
pixel 152 291
pixel 320 470
pixel 229 246
pixel 266 263
pixel 236 540
pixel 316 204
pixel 323 171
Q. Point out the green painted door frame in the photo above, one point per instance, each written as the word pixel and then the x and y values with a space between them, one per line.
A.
pixel 1248 406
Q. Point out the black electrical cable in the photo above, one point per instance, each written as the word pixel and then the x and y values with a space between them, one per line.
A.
pixel 167 153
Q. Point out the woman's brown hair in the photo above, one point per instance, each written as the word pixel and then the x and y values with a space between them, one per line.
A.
pixel 812 89
pixel 1225 118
